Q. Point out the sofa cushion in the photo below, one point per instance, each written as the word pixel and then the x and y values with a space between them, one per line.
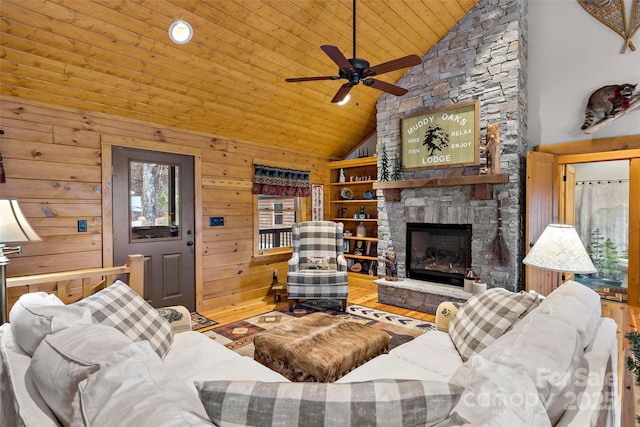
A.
pixel 576 305
pixel 485 317
pixel 121 307
pixel 67 357
pixel 371 403
pixel 30 322
pixel 496 395
pixel 550 353
pixel 388 366
pixel 138 391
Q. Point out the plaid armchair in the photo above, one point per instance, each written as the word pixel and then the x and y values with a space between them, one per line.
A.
pixel 317 268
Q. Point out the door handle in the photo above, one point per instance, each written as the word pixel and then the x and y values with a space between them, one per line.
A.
pixel 190 243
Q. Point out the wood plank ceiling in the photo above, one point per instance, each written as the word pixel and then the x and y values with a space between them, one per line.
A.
pixel 114 56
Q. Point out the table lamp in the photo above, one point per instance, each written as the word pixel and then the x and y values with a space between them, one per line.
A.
pixel 559 248
pixel 14 227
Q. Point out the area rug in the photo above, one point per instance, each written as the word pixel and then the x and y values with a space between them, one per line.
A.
pixel 238 336
pixel 613 294
pixel 198 321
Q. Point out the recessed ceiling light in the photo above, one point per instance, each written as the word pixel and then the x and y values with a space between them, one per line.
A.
pixel 180 32
pixel 345 100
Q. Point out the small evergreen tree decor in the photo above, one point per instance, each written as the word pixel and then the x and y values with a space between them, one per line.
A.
pixel 396 175
pixel 383 175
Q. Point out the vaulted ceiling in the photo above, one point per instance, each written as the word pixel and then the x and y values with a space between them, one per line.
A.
pixel 115 57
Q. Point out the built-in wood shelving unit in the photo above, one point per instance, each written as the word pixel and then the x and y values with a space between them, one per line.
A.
pixel 483 184
pixel 360 177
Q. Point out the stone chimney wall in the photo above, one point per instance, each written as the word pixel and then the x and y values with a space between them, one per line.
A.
pixel 483 57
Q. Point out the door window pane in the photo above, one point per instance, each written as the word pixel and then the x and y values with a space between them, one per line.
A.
pixel 154 201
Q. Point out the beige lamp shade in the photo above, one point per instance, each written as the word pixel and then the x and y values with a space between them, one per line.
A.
pixel 559 248
pixel 14 226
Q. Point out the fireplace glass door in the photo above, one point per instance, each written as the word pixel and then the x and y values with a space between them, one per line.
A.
pixel 438 252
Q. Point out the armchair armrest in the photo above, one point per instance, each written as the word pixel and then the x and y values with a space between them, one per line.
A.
pixel 178 317
pixel 444 314
pixel 294 263
pixel 342 263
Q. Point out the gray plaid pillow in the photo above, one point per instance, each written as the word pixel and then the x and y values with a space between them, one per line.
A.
pixel 486 316
pixel 121 307
pixel 370 403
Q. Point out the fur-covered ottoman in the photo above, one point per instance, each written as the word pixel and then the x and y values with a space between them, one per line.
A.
pixel 318 347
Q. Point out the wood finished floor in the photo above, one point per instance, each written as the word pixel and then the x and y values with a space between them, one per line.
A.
pixel 626 317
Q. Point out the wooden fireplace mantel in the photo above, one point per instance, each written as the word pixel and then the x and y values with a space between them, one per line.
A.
pixel 483 185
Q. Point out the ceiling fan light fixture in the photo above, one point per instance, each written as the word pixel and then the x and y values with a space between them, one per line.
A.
pixel 345 100
pixel 180 32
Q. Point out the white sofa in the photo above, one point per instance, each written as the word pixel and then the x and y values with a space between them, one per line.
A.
pixel 555 366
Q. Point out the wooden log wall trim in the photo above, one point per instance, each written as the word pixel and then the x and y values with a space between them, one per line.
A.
pixel 56 168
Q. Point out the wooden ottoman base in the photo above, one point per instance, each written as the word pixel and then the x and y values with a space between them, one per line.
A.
pixel 318 347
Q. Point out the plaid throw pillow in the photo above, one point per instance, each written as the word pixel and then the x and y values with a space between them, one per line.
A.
pixel 121 307
pixel 370 403
pixel 486 316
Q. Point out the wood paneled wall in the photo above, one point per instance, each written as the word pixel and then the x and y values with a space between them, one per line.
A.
pixel 53 162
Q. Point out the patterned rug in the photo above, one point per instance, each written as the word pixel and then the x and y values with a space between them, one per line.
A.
pixel 238 336
pixel 198 321
pixel 613 294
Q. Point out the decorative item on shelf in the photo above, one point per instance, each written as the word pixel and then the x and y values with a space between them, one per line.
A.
pixel 343 213
pixel 396 175
pixel 491 149
pixel 356 267
pixel 347 233
pixel 469 278
pixel 383 169
pixel 372 267
pixel 361 230
pixel 342 177
pixel 391 267
pixel 368 195
pixel 372 248
pixel 479 285
pixel 361 215
pixel 346 193
pixel 359 248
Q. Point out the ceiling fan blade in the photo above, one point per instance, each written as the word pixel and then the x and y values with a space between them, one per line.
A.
pixel 342 92
pixel 336 56
pixel 396 64
pixel 386 87
pixel 311 79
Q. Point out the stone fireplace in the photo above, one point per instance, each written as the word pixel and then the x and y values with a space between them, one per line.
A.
pixel 483 57
pixel 438 252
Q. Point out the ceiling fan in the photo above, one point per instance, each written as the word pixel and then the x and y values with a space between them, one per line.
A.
pixel 356 70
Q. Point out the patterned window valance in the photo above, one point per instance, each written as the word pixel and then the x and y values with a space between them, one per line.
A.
pixel 280 182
